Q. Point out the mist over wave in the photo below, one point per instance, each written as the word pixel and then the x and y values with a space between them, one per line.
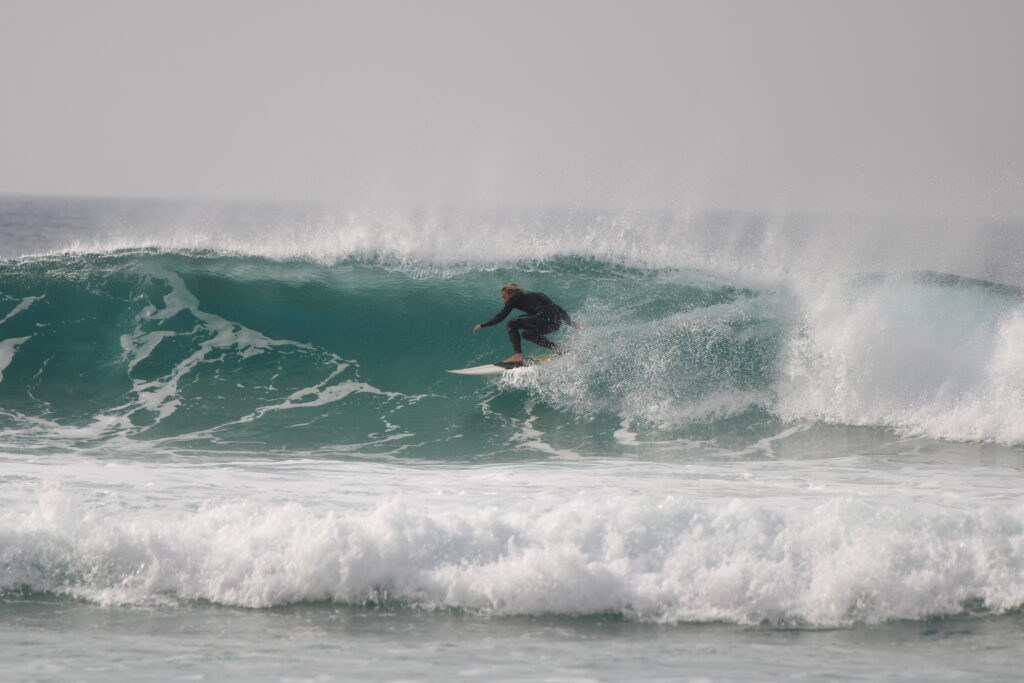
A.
pixel 748 244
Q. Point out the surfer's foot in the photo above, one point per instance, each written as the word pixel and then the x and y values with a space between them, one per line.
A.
pixel 514 358
pixel 559 350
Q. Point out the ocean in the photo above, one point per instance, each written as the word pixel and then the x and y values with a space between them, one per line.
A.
pixel 782 446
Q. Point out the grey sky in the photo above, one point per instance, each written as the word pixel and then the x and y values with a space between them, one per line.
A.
pixel 772 105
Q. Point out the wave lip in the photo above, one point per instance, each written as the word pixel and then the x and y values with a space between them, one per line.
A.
pixel 839 562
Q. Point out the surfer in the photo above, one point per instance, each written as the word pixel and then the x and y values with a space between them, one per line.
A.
pixel 543 316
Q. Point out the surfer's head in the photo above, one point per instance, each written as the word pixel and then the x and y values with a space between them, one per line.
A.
pixel 510 290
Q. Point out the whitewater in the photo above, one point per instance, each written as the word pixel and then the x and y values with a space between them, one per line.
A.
pixel 780 446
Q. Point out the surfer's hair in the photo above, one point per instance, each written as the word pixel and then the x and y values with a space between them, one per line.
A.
pixel 511 288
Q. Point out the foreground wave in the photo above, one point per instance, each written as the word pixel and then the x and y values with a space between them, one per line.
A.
pixel 662 558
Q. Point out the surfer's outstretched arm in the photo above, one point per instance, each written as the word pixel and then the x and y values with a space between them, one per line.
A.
pixel 496 318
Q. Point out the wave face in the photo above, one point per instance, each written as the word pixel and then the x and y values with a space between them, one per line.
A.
pixel 208 351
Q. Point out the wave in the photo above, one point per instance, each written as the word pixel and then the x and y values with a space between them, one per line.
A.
pixel 207 350
pixel 660 558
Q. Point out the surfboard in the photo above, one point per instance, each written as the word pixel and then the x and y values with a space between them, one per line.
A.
pixel 500 368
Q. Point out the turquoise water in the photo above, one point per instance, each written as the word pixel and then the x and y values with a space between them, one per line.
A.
pixel 778 448
pixel 198 351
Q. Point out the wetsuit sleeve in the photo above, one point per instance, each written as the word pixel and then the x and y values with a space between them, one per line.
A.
pixel 499 316
pixel 563 315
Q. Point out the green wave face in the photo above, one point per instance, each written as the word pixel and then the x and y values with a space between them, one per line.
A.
pixel 200 351
pixel 174 352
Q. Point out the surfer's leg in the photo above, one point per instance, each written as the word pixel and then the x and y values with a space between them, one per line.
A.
pixel 535 333
pixel 514 325
pixel 539 339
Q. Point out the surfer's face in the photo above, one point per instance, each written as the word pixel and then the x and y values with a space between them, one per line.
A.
pixel 505 296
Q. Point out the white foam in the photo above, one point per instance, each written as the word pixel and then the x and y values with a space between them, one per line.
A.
pixel 8 347
pixel 922 358
pixel 23 305
pixel 663 543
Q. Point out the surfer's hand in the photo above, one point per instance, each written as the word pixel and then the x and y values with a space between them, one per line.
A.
pixel 477 329
pixel 575 325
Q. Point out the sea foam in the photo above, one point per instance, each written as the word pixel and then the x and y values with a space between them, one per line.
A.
pixel 926 356
pixel 666 558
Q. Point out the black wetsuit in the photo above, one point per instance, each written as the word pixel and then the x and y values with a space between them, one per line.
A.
pixel 543 316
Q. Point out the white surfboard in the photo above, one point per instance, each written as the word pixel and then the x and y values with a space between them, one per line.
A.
pixel 499 368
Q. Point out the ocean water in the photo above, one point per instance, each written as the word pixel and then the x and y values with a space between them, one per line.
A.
pixel 781 447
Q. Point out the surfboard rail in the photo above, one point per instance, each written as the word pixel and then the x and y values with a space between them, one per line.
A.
pixel 501 368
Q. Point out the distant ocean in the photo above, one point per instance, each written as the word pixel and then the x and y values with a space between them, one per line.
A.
pixel 781 447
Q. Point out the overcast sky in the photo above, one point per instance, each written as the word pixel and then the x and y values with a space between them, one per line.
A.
pixel 776 105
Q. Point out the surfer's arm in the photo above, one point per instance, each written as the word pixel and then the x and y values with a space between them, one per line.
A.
pixel 498 317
